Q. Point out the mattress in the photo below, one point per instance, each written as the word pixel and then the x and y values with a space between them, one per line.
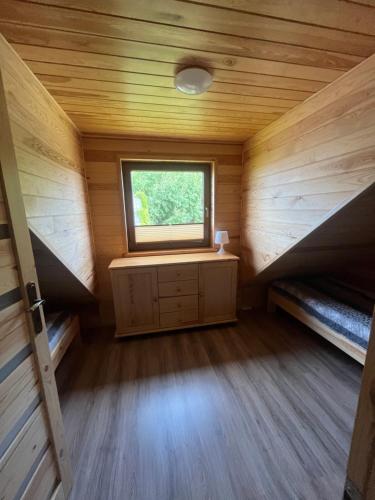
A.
pixel 345 309
pixel 56 327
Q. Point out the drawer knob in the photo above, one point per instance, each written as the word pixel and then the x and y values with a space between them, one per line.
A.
pixel 179 289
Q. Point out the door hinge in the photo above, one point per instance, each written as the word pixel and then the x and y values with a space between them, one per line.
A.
pixel 35 303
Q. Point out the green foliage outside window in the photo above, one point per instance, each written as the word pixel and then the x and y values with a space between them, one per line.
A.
pixel 168 197
pixel 141 213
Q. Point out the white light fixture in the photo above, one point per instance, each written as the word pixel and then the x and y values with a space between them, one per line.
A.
pixel 193 80
pixel 221 238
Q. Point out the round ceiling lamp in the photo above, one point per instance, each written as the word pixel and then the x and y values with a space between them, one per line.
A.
pixel 193 80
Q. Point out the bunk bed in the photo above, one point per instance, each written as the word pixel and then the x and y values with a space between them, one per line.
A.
pixel 62 328
pixel 336 310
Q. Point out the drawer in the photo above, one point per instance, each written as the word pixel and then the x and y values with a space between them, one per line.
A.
pixel 172 304
pixel 179 318
pixel 177 273
pixel 175 288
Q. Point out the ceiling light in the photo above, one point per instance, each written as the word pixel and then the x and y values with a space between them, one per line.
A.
pixel 193 80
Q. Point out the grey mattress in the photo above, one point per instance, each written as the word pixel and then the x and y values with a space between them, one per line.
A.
pixel 54 323
pixel 342 307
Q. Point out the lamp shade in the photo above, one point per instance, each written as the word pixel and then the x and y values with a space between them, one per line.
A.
pixel 193 80
pixel 221 237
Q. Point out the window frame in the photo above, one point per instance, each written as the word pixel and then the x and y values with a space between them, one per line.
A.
pixel 206 167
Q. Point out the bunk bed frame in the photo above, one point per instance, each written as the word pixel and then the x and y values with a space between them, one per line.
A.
pixel 62 328
pixel 351 348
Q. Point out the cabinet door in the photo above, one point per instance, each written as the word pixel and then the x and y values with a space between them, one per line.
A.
pixel 217 291
pixel 135 294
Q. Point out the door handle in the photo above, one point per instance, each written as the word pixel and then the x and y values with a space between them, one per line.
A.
pixel 35 303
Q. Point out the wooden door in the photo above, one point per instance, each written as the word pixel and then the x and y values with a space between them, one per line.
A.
pixel 34 463
pixel 217 291
pixel 360 484
pixel 135 294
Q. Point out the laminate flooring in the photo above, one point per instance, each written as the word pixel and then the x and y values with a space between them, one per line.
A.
pixel 260 410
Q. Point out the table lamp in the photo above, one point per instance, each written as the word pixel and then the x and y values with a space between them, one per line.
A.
pixel 221 238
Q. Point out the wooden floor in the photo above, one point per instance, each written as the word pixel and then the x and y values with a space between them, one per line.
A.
pixel 261 410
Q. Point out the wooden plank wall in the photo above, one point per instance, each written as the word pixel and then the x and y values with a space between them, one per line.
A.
pixel 306 166
pixel 27 461
pixel 50 162
pixel 103 154
pixel 344 245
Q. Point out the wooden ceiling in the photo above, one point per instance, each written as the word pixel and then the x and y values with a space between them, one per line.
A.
pixel 111 63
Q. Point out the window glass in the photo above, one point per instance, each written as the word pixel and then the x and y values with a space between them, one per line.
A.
pixel 167 205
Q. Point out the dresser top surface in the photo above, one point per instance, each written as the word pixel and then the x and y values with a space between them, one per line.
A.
pixel 159 260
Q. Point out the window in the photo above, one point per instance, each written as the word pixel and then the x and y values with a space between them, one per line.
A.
pixel 167 204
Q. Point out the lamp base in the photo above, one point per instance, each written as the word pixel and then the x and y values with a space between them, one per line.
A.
pixel 221 250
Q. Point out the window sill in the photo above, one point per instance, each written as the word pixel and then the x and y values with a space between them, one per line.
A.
pixel 176 251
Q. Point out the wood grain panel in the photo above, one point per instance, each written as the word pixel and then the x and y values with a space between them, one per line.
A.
pixel 161 60
pixel 100 22
pixel 43 480
pixel 114 88
pixel 123 55
pixel 103 156
pixel 346 16
pixel 18 391
pixel 247 25
pixel 22 453
pixel 14 336
pixel 344 245
pixel 237 85
pixel 50 163
pixel 301 171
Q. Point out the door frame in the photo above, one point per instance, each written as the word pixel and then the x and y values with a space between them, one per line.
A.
pixel 22 247
pixel 360 482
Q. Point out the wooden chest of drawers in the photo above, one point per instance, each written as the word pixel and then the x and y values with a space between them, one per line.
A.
pixel 173 291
